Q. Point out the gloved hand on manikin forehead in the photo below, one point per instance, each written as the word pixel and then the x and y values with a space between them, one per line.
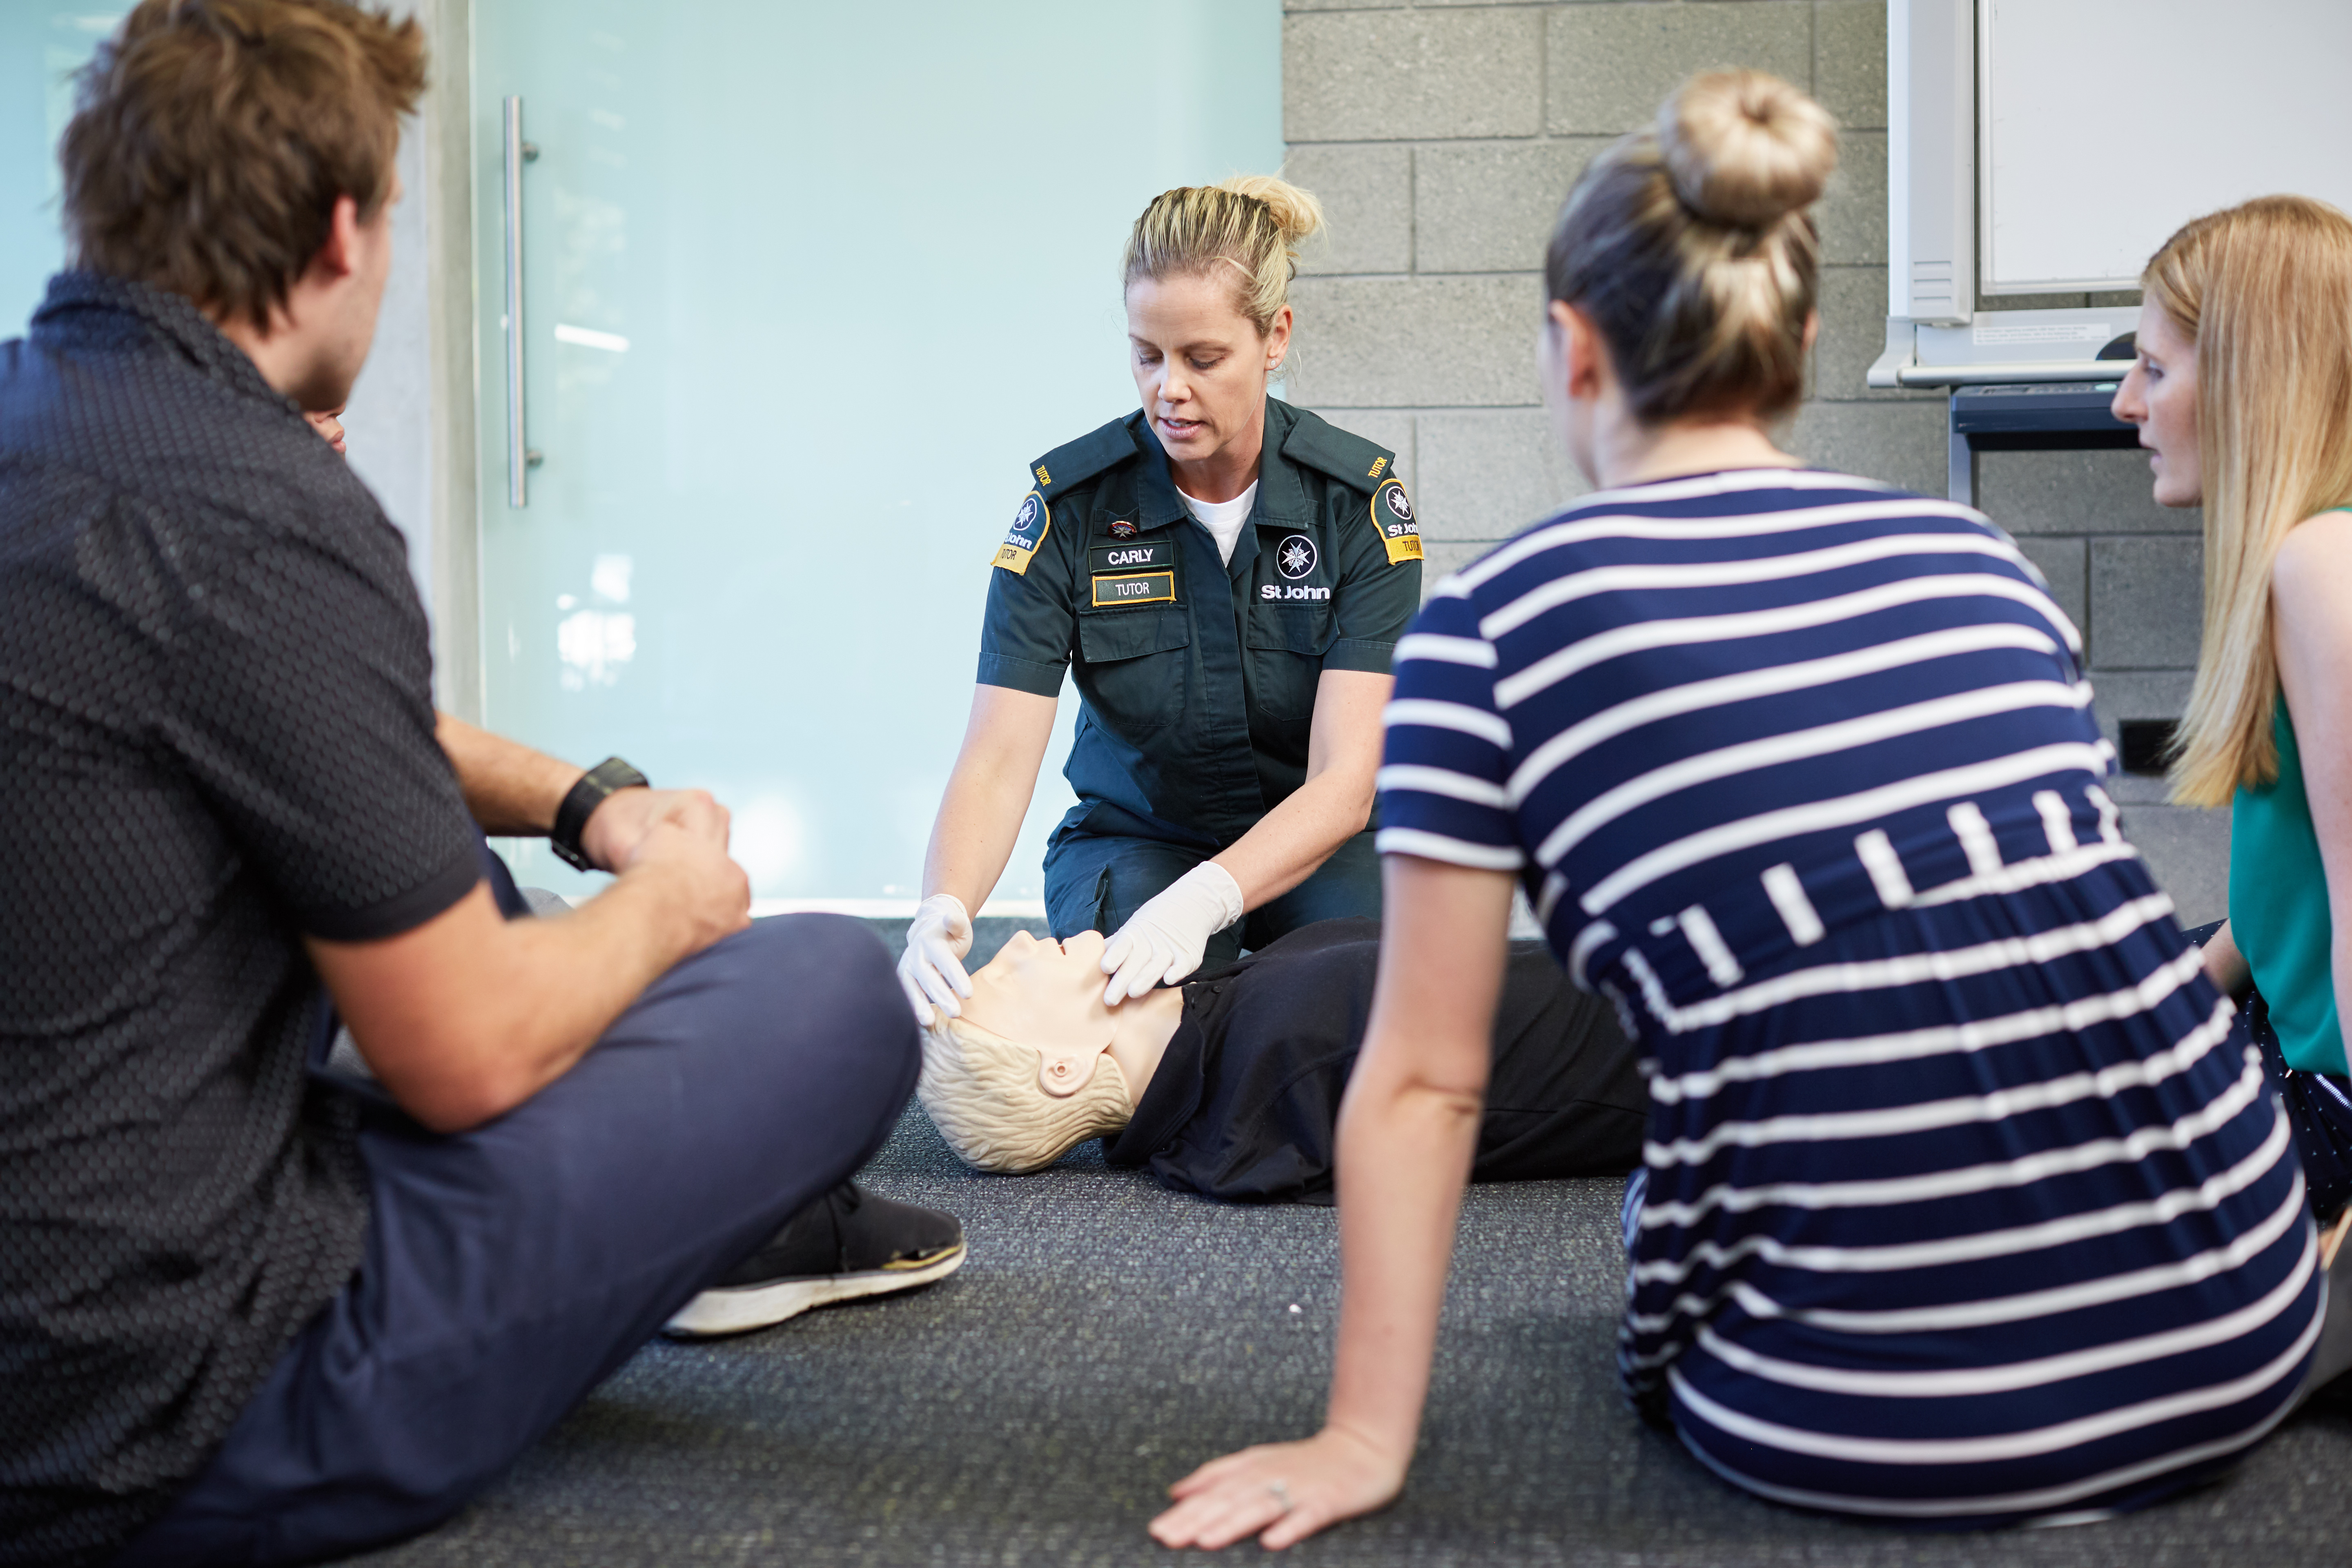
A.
pixel 1161 943
pixel 931 969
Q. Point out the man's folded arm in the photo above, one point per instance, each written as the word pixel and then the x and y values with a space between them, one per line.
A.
pixel 468 1014
pixel 512 789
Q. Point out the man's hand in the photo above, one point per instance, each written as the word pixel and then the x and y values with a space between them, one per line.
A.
pixel 619 824
pixel 468 1014
pixel 1281 1492
pixel 685 846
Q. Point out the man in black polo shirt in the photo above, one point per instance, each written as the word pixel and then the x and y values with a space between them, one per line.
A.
pixel 246 1314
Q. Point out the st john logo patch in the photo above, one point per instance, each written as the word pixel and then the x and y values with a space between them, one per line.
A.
pixel 1393 515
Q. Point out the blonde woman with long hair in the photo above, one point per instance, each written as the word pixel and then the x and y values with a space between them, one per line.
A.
pixel 1958 1207
pixel 2243 392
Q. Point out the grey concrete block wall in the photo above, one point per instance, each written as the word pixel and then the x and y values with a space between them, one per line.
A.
pixel 1442 135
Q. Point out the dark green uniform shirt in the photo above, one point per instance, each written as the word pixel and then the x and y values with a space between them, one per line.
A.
pixel 1198 676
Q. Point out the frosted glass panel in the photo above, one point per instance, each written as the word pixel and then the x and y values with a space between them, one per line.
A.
pixel 41 46
pixel 807 287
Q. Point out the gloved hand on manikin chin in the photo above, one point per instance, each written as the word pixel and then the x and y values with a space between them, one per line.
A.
pixel 1161 942
pixel 931 969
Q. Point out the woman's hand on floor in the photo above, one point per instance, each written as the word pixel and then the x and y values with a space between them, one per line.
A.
pixel 1285 1491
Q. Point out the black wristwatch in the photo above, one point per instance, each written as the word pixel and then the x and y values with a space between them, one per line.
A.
pixel 572 817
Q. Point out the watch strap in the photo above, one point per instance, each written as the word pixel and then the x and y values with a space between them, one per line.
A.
pixel 581 803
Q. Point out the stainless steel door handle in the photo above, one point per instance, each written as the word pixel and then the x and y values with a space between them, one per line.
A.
pixel 520 458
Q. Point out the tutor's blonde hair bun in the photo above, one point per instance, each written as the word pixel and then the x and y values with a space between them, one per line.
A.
pixel 1250 226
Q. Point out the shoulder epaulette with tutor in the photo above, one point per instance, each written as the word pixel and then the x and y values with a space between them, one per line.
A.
pixel 1095 452
pixel 1328 449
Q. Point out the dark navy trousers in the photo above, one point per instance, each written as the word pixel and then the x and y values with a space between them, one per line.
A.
pixel 1095 880
pixel 512 1267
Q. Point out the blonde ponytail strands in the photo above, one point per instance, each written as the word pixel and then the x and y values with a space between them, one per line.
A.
pixel 1252 224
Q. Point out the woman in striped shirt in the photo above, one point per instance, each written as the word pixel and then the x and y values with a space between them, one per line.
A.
pixel 1959 1210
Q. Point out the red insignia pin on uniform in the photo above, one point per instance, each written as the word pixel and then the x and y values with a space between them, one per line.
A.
pixel 1122 529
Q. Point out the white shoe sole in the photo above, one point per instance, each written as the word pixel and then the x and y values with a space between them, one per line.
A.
pixel 741 1309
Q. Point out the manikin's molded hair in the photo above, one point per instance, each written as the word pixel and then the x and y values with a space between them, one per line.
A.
pixel 980 1090
pixel 1250 226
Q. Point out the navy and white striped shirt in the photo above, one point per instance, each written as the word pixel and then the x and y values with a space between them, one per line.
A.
pixel 1956 1207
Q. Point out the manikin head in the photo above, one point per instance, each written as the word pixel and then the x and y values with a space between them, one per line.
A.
pixel 1024 1076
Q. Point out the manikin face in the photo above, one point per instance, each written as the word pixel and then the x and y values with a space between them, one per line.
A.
pixel 1199 366
pixel 1048 994
pixel 2159 395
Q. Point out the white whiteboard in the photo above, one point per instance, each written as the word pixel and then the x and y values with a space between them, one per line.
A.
pixel 2106 124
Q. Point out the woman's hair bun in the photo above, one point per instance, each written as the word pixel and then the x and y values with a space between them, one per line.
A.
pixel 1745 149
pixel 1296 213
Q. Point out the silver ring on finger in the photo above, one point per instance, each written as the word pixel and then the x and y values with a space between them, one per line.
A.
pixel 1281 1494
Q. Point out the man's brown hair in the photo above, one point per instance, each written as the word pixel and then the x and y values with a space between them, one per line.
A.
pixel 213 137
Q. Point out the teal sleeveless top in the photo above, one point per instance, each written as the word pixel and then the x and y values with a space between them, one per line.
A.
pixel 2278 908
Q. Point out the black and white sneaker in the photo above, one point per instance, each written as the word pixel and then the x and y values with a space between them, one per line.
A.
pixel 846 1245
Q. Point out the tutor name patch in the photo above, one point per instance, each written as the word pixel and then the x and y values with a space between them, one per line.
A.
pixel 1117 591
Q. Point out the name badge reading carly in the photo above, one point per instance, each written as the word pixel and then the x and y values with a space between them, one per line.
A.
pixel 1154 554
pixel 1117 591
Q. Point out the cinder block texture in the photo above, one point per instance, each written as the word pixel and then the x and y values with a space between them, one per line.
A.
pixel 1896 443
pixel 2146 601
pixel 1443 557
pixel 2076 492
pixel 2064 565
pixel 1489 207
pixel 1377 343
pixel 1367 195
pixel 2188 853
pixel 1488 475
pixel 1393 75
pixel 1610 67
pixel 1853 333
pixel 1391 430
pixel 1850 61
pixel 1416 325
pixel 2139 694
pixel 1852 212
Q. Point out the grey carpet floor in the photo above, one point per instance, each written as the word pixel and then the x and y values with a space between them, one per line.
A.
pixel 1106 1336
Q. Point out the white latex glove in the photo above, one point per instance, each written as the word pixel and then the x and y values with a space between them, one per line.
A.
pixel 931 969
pixel 1161 942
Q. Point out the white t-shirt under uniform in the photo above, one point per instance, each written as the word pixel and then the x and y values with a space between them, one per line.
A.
pixel 1223 518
